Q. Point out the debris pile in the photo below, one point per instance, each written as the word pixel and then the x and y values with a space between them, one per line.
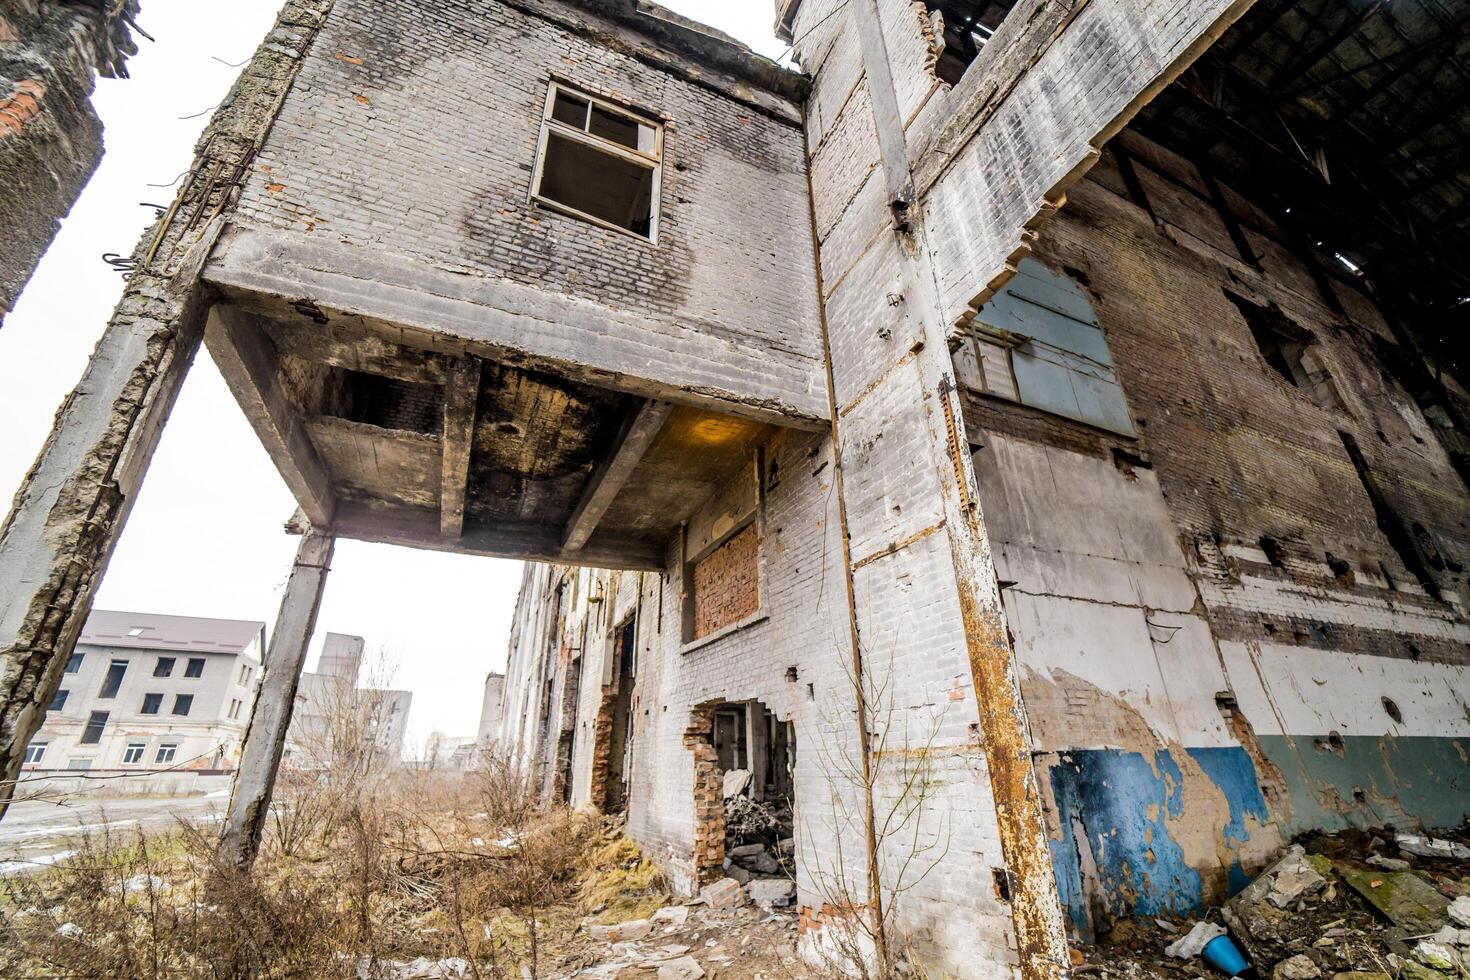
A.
pixel 1355 905
pixel 688 942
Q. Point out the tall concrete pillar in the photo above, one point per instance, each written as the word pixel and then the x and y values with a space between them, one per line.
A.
pixel 265 737
pixel 67 516
pixel 70 510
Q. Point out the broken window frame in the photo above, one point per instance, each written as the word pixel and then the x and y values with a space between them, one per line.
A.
pixel 653 162
pixel 983 343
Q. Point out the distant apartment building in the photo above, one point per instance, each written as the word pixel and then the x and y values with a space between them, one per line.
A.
pixel 334 717
pixel 151 693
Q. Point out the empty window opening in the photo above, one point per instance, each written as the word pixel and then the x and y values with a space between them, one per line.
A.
pixel 92 734
pixel 113 679
pixel 727 583
pixel 74 663
pixel 133 754
pixel 182 703
pixel 164 667
pixel 1290 351
pixel 599 162
pixel 966 26
pixel 612 730
pixel 151 704
pixel 59 702
pixel 195 667
pixel 1038 341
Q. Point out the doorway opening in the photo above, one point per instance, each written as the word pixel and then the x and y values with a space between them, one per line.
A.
pixel 612 762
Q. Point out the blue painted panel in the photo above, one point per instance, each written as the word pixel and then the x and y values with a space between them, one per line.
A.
pixel 1120 804
pixel 1038 284
pixel 1066 367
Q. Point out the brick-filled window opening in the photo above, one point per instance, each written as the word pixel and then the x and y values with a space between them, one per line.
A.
pixel 1290 351
pixel 726 582
pixel 1038 342
pixel 966 26
pixel 599 162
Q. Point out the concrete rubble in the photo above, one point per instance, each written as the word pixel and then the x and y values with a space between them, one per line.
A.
pixel 691 942
pixel 1354 905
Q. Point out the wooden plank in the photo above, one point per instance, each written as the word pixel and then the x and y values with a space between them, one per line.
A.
pixel 249 365
pixel 461 392
pixel 636 435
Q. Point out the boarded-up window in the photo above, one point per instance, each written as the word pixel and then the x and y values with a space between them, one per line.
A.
pixel 1039 343
pixel 727 583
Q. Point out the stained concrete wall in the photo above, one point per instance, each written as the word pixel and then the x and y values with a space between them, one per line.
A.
pixel 1194 699
pixel 397 180
pixel 50 138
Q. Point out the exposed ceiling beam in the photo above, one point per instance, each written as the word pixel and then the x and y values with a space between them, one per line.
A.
pixel 240 348
pixel 461 393
pixel 633 440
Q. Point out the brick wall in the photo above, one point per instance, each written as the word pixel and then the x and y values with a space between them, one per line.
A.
pixel 50 138
pixel 405 156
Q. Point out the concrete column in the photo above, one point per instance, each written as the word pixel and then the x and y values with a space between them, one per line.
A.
pixel 69 512
pixel 265 737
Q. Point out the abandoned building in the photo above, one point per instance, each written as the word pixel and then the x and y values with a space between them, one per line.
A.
pixel 1027 444
pixel 50 137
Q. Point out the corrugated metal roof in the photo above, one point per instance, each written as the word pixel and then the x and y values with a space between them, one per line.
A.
pixel 153 631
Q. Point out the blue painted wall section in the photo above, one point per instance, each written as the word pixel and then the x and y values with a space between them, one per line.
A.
pixel 1120 802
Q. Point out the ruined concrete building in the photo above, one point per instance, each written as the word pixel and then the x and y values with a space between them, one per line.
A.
pixel 1029 443
pixel 50 139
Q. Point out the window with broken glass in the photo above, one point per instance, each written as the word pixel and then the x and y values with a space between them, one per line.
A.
pixel 1038 342
pixel 599 162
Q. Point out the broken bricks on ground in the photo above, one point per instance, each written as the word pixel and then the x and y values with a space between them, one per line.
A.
pixel 1355 905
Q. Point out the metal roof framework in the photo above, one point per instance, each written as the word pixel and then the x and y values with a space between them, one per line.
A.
pixel 1349 118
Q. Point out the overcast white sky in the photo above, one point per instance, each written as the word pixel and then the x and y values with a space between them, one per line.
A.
pixel 205 538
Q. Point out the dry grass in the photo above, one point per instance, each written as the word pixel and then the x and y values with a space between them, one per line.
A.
pixel 413 865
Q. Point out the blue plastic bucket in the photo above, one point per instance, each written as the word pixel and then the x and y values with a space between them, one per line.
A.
pixel 1223 955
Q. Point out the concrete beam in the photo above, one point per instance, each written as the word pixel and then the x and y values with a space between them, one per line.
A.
pixel 419 528
pixel 251 368
pixel 522 325
pixel 461 392
pixel 637 434
pixel 265 737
